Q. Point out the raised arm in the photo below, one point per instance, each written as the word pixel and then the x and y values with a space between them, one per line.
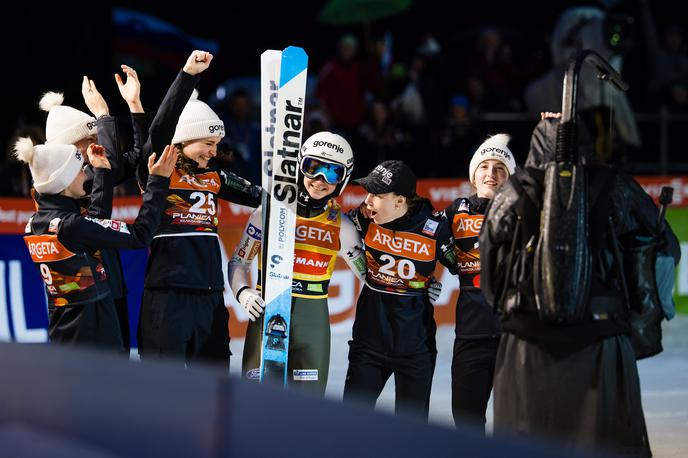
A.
pixel 91 233
pixel 109 135
pixel 131 89
pixel 165 122
pixel 100 204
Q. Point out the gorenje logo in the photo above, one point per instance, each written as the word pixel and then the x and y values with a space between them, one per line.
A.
pixel 496 152
pixel 334 146
pixel 385 175
pixel 217 128
pixel 285 177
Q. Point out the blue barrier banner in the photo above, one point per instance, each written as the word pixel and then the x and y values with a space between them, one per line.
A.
pixel 23 304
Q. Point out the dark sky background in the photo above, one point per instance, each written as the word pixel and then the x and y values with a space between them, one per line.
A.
pixel 50 46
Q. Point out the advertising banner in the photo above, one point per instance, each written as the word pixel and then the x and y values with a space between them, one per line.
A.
pixel 23 306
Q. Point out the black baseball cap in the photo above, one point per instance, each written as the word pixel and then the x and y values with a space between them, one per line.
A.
pixel 390 176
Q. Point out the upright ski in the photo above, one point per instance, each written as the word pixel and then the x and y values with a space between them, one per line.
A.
pixel 269 86
pixel 278 259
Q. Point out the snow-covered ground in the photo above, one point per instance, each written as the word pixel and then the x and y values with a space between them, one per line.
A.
pixel 663 378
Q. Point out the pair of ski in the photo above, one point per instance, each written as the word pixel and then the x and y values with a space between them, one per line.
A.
pixel 283 93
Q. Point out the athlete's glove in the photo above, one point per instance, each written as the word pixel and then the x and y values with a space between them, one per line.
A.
pixel 252 302
pixel 434 290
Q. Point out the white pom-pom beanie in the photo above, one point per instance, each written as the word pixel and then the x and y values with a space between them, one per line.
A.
pixel 53 167
pixel 197 121
pixel 495 147
pixel 65 125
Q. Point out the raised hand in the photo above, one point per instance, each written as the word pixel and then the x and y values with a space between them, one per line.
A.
pixel 93 99
pixel 96 156
pixel 197 62
pixel 165 165
pixel 131 89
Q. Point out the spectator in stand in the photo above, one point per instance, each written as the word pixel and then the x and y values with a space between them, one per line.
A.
pixel 244 131
pixel 460 136
pixel 475 91
pixel 315 118
pixel 423 103
pixel 375 66
pixel 340 87
pixel 492 63
pixel 665 63
pixel 380 137
pixel 677 97
pixel 581 28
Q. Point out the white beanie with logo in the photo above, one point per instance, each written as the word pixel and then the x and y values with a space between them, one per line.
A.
pixel 495 147
pixel 197 121
pixel 65 125
pixel 53 167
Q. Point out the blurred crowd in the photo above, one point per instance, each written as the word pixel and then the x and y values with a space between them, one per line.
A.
pixel 431 105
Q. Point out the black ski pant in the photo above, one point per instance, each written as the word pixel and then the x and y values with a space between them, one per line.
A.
pixel 472 371
pixel 369 371
pixel 94 324
pixel 122 307
pixel 186 325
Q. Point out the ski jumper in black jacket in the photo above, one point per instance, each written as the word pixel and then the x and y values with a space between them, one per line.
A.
pixel 183 313
pixel 123 167
pixel 66 247
pixel 394 328
pixel 477 326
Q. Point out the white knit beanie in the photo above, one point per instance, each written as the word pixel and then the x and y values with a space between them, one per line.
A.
pixel 197 121
pixel 65 125
pixel 53 167
pixel 493 148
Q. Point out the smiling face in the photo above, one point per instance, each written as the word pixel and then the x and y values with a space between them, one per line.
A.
pixel 317 187
pixel 387 207
pixel 489 176
pixel 201 150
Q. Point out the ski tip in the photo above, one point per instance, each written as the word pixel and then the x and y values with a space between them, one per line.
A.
pixel 294 62
pixel 295 51
pixel 271 53
pixel 296 55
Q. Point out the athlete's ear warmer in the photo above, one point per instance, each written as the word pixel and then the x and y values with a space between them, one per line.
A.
pixel 53 167
pixel 65 125
pixel 197 121
pixel 495 147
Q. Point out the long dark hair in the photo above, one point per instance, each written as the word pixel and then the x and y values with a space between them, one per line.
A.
pixel 184 164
